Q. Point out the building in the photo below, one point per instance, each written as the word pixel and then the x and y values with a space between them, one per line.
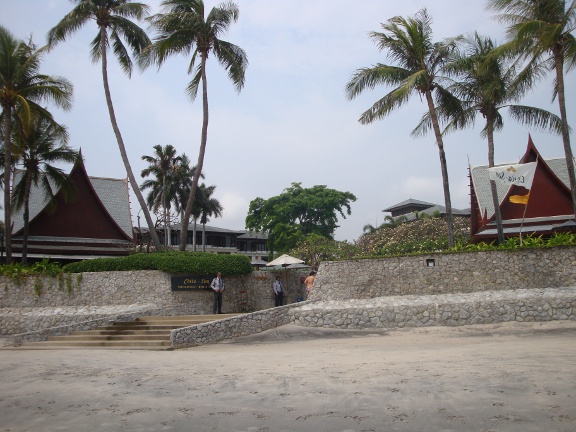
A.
pixel 411 209
pixel 95 223
pixel 549 208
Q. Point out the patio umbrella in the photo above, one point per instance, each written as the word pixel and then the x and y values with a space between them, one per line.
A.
pixel 284 260
pixel 258 263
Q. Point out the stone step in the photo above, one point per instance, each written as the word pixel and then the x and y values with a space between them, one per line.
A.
pixel 95 337
pixel 149 332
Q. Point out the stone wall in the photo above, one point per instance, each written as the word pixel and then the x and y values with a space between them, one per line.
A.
pixel 446 273
pixel 37 303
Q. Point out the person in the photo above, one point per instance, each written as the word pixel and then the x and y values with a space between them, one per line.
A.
pixel 218 286
pixel 278 292
pixel 309 281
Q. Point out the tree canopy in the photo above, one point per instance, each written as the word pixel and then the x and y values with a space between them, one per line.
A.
pixel 298 212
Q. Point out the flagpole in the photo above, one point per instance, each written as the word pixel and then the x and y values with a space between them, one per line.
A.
pixel 526 207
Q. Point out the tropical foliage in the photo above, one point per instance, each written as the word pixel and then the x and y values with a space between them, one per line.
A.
pixel 116 28
pixel 22 89
pixel 316 248
pixel 38 146
pixel 422 235
pixel 184 28
pixel 540 31
pixel 416 70
pixel 296 213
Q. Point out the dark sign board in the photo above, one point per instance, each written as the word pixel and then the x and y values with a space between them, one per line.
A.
pixel 191 283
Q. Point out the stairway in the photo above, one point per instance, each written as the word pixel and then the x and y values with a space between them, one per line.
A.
pixel 144 333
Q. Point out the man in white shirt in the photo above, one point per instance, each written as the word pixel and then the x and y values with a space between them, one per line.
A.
pixel 218 286
pixel 278 292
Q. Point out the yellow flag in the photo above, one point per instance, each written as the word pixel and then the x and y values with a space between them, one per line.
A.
pixel 520 199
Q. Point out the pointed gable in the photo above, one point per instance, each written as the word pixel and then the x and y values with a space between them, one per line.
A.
pixel 84 216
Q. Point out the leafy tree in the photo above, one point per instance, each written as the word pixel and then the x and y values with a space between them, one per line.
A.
pixel 39 145
pixel 419 60
pixel 22 89
pixel 296 213
pixel 316 248
pixel 487 84
pixel 183 28
pixel 209 207
pixel 113 18
pixel 541 30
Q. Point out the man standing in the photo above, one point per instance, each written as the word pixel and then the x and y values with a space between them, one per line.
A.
pixel 278 292
pixel 218 286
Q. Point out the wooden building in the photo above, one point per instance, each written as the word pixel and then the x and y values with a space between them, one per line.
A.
pixel 549 208
pixel 96 223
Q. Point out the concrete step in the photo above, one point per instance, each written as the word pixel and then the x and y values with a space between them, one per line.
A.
pixel 149 332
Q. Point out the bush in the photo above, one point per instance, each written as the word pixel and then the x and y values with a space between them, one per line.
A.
pixel 194 263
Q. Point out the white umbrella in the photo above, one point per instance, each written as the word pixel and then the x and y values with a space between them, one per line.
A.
pixel 284 260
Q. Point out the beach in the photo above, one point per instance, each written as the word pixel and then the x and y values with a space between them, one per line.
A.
pixel 497 377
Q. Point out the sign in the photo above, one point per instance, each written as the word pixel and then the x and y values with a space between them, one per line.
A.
pixel 191 283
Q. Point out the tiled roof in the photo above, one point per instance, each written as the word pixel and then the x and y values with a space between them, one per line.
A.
pixel 406 203
pixel 481 183
pixel 112 192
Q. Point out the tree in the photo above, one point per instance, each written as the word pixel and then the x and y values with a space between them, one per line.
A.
pixel 161 166
pixel 183 28
pixel 22 89
pixel 296 213
pixel 487 84
pixel 419 60
pixel 541 30
pixel 113 18
pixel 209 207
pixel 38 146
pixel 316 248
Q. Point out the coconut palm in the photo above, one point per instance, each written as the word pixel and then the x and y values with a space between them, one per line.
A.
pixel 162 166
pixel 22 89
pixel 541 30
pixel 38 146
pixel 184 28
pixel 488 83
pixel 209 207
pixel 113 18
pixel 419 62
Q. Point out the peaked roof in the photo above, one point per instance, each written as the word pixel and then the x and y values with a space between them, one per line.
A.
pixel 554 169
pixel 100 209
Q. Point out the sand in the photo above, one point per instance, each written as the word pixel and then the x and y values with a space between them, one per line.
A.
pixel 507 377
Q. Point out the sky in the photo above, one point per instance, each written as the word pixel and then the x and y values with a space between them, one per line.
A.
pixel 292 121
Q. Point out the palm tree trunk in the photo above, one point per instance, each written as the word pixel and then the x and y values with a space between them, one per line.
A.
pixel 203 237
pixel 131 178
pixel 495 202
pixel 443 167
pixel 26 216
pixel 559 66
pixel 198 172
pixel 194 236
pixel 7 171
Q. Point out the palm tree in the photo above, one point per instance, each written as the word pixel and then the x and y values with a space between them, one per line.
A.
pixel 183 28
pixel 488 83
pixel 541 30
pixel 37 147
pixel 393 222
pixel 22 88
pixel 162 166
pixel 209 207
pixel 113 18
pixel 419 63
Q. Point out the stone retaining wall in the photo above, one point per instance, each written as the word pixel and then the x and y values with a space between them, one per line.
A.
pixel 441 310
pixel 446 273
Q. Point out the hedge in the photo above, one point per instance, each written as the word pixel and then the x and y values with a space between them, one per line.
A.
pixel 193 263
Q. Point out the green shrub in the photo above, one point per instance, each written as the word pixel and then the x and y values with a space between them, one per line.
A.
pixel 195 263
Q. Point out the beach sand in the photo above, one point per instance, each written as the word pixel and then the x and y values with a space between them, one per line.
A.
pixel 505 377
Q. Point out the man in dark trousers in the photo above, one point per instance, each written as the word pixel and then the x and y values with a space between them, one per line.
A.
pixel 278 292
pixel 218 286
